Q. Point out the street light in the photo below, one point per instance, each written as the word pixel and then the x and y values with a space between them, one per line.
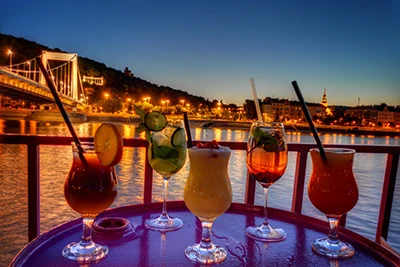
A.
pixel 10 53
pixel 167 102
pixel 163 102
pixel 182 102
pixel 106 95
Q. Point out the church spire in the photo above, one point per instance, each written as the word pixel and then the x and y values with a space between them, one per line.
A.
pixel 324 100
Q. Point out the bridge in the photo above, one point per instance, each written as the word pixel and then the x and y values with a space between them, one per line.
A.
pixel 25 80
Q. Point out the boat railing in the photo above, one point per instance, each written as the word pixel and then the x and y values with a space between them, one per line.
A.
pixel 33 142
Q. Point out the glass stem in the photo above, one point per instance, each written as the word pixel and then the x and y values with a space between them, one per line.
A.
pixel 206 235
pixel 164 207
pixel 265 223
pixel 86 238
pixel 333 228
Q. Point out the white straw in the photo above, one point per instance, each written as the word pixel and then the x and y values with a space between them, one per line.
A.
pixel 253 87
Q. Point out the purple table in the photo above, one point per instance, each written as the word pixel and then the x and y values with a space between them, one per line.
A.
pixel 150 248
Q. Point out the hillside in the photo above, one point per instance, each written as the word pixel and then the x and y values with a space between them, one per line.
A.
pixel 116 82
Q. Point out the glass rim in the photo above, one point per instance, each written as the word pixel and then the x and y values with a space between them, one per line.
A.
pixel 88 147
pixel 267 123
pixel 336 150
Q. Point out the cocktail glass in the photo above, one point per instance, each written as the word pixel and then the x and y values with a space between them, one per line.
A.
pixel 167 155
pixel 207 195
pixel 89 189
pixel 266 159
pixel 332 189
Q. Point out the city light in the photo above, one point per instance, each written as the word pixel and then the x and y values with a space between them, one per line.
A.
pixel 106 95
pixel 182 102
pixel 10 53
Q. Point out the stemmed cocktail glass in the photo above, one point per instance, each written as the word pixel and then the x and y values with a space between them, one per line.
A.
pixel 266 159
pixel 89 189
pixel 208 195
pixel 332 189
pixel 167 155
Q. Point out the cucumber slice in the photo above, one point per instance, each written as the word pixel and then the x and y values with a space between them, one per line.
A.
pixel 178 137
pixel 155 121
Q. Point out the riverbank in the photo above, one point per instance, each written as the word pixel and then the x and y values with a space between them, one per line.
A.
pixel 76 117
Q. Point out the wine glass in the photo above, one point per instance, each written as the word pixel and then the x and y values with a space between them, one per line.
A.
pixel 89 189
pixel 332 189
pixel 266 159
pixel 207 194
pixel 167 155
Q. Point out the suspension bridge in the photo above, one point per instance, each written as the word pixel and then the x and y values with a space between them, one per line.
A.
pixel 25 80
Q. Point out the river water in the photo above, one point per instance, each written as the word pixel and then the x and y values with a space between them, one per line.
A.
pixel 55 162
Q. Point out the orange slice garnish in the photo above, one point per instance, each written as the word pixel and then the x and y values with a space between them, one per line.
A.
pixel 108 144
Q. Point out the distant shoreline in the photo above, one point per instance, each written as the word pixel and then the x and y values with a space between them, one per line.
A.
pixel 55 116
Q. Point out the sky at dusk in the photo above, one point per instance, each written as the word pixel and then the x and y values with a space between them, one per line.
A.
pixel 212 48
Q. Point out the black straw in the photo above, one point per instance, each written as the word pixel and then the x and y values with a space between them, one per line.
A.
pixel 309 120
pixel 53 90
pixel 187 127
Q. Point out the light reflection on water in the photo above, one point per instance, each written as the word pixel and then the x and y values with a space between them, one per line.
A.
pixel 56 160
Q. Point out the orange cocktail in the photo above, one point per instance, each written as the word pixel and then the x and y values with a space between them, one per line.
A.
pixel 333 190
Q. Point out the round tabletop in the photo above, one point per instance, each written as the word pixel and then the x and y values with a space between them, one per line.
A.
pixel 137 246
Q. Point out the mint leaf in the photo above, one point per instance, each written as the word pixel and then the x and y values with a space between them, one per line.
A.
pixel 165 152
pixel 264 140
pixel 140 111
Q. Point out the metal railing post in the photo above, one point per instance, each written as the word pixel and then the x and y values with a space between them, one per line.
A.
pixel 33 191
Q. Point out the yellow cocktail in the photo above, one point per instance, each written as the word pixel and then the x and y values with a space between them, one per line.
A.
pixel 208 194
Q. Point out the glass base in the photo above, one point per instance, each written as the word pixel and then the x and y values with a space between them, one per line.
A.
pixel 334 249
pixel 164 224
pixel 266 233
pixel 213 254
pixel 82 252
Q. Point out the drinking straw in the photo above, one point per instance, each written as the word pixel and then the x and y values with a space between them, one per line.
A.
pixel 309 120
pixel 187 127
pixel 53 90
pixel 253 87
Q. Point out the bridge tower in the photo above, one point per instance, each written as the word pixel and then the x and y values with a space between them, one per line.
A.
pixel 73 58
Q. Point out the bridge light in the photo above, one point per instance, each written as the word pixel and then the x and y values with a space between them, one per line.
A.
pixel 10 53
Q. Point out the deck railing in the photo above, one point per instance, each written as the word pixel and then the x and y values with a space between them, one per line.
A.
pixel 389 180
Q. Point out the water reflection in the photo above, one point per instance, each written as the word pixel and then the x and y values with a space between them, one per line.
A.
pixel 56 161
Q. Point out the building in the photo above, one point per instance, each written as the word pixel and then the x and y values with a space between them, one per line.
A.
pixel 93 80
pixel 274 109
pixel 128 72
pixel 385 115
pixel 368 115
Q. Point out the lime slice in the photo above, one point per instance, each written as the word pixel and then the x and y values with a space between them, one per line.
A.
pixel 108 144
pixel 155 121
pixel 178 137
pixel 164 167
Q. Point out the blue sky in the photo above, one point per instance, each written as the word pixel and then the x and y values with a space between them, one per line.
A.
pixel 212 48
